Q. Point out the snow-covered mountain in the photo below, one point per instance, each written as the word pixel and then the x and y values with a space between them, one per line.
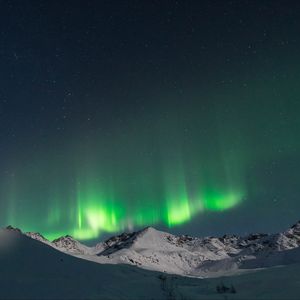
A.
pixel 36 236
pixel 185 255
pixel 31 269
pixel 70 245
pixel 34 269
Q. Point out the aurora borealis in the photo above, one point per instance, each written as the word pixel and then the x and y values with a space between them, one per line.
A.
pixel 117 115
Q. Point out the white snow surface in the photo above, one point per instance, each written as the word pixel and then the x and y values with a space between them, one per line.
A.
pixel 33 269
pixel 188 256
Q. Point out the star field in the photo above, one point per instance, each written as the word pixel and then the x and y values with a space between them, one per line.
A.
pixel 182 115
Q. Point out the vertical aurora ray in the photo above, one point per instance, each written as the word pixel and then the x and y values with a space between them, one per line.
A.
pixel 11 208
pixel 180 203
pixel 54 211
pixel 79 210
pixel 96 210
pixel 177 202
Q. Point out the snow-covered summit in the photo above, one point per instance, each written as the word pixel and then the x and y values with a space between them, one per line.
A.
pixel 12 229
pixel 32 270
pixel 147 238
pixel 37 236
pixel 70 245
pixel 185 255
pixel 294 232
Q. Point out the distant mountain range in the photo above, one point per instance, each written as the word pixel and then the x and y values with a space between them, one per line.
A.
pixel 150 264
pixel 185 255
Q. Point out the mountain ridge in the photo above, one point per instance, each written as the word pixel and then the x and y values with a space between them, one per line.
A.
pixel 156 250
pixel 31 269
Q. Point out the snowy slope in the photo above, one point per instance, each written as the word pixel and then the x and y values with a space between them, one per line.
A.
pixel 31 269
pixel 201 257
pixel 71 246
pixel 184 255
pixel 161 251
pixel 65 243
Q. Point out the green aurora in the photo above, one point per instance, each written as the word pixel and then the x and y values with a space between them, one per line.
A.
pixel 94 192
pixel 179 174
pixel 165 175
pixel 98 214
pixel 161 190
pixel 182 114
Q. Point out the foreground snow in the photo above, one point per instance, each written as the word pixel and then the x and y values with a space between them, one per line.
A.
pixel 31 269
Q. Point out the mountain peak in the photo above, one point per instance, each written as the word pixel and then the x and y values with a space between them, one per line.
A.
pixel 296 225
pixel 161 251
pixel 148 229
pixel 37 236
pixel 68 244
pixel 14 229
pixel 63 238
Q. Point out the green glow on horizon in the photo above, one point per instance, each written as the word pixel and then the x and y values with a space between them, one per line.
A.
pixel 79 212
pixel 85 234
pixel 96 214
pixel 93 206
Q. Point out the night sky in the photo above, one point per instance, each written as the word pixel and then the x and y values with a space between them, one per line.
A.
pixel 116 115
